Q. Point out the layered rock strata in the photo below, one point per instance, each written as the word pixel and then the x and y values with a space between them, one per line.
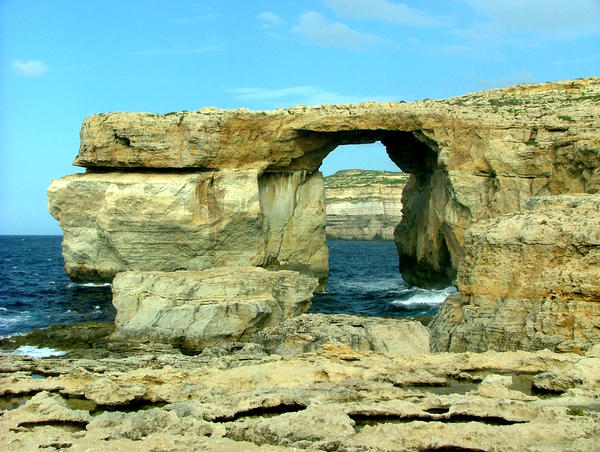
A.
pixel 198 309
pixel 529 280
pixel 363 204
pixel 470 158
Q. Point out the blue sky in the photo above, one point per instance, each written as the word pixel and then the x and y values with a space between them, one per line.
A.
pixel 61 61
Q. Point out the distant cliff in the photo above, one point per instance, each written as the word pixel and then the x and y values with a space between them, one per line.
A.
pixel 363 204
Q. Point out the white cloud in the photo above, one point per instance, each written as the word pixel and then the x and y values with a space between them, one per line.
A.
pixel 558 18
pixel 308 95
pixel 31 68
pixel 316 28
pixel 190 51
pixel 270 19
pixel 382 10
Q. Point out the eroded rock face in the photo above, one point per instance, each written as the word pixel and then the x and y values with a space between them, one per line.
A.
pixel 471 158
pixel 528 280
pixel 116 221
pixel 363 204
pixel 198 309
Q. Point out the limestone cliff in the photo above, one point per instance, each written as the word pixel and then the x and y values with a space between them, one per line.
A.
pixel 470 158
pixel 363 204
pixel 528 280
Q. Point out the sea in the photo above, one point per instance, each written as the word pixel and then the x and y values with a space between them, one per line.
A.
pixel 35 291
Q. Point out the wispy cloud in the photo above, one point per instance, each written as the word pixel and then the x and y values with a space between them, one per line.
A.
pixel 270 19
pixel 314 27
pixel 189 51
pixel 194 19
pixel 309 95
pixel 381 10
pixel 30 68
pixel 455 49
pixel 575 61
pixel 556 19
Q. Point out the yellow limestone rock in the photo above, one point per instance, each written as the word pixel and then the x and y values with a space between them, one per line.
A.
pixel 115 222
pixel 197 309
pixel 529 280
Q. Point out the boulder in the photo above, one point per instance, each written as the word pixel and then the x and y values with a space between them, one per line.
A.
pixel 198 309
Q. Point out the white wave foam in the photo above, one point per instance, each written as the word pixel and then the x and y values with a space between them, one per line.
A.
pixel 425 297
pixel 36 352
pixel 16 318
pixel 72 285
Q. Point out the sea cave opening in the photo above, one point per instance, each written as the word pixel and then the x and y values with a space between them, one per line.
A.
pixel 363 199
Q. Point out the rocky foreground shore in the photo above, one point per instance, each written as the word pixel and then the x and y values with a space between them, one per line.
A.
pixel 316 382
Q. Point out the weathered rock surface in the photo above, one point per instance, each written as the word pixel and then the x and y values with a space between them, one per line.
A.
pixel 338 399
pixel 472 157
pixel 363 204
pixel 197 309
pixel 314 332
pixel 528 280
pixel 115 222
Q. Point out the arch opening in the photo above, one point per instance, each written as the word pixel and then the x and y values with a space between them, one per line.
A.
pixel 428 252
pixel 363 192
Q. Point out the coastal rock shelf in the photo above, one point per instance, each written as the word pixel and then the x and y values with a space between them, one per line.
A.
pixel 341 398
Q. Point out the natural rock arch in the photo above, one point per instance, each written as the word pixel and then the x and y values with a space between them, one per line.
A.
pixel 222 192
pixel 430 263
pixel 213 188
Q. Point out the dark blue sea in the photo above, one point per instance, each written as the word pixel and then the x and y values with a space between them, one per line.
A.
pixel 364 279
pixel 36 293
